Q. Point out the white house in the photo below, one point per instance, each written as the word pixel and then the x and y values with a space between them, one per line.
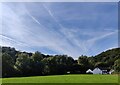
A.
pixel 89 71
pixel 97 71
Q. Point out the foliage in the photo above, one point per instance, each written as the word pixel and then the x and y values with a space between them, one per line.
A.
pixel 7 65
pixel 117 65
pixel 16 63
pixel 23 63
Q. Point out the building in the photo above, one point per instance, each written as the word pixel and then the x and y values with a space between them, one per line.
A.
pixel 100 71
pixel 97 71
pixel 105 72
pixel 89 71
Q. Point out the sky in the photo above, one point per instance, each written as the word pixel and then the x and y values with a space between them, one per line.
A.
pixel 71 28
pixel 59 0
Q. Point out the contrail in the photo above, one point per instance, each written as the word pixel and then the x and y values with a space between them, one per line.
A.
pixel 10 39
pixel 33 18
pixel 51 14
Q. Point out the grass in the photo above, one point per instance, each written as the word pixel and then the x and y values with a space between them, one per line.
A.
pixel 64 79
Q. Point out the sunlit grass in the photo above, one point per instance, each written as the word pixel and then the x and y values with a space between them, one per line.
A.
pixel 64 79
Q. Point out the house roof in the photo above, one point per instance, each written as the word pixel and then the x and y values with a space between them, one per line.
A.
pixel 96 69
pixel 89 70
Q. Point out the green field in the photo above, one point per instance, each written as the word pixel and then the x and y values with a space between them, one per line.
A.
pixel 64 79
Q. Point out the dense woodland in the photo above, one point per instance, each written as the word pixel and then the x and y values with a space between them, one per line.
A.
pixel 16 63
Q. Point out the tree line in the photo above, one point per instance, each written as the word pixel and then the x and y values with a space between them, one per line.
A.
pixel 17 63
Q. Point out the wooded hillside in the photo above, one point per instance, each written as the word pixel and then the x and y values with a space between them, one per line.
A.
pixel 16 63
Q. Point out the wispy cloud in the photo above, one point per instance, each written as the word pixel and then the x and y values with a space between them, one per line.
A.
pixel 52 15
pixel 31 29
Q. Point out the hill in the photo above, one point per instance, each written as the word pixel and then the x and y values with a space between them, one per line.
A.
pixel 16 63
pixel 108 57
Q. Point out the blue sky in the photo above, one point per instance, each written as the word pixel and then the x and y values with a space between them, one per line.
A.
pixel 72 28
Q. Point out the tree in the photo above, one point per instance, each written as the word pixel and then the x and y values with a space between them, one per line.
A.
pixel 10 51
pixel 101 65
pixel 92 62
pixel 36 63
pixel 16 63
pixel 7 65
pixel 82 60
pixel 37 56
pixel 84 63
pixel 23 64
pixel 117 65
pixel 58 64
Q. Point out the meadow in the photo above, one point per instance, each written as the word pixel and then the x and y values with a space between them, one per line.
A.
pixel 75 78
